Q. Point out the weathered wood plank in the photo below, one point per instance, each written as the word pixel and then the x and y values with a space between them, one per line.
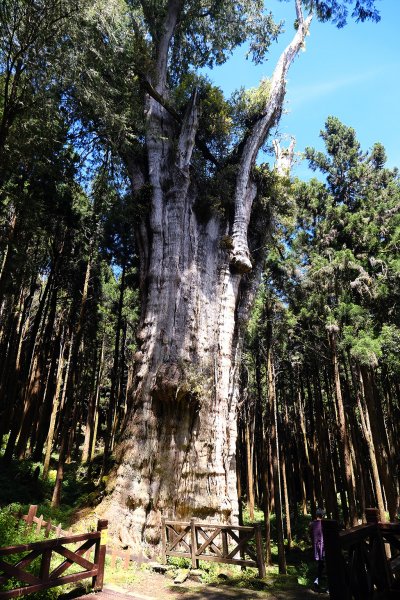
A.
pixel 209 532
pixel 46 585
pixel 93 535
pixel 46 580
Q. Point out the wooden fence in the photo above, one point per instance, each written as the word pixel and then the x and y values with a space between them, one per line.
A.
pixel 18 568
pixel 33 520
pixel 213 542
pixel 363 563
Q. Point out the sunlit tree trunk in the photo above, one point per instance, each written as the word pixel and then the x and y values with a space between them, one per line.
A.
pixel 366 428
pixel 380 441
pixel 273 412
pixel 176 455
pixel 250 474
pixel 92 409
pixel 343 432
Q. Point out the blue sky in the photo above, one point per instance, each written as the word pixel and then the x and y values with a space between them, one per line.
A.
pixel 352 73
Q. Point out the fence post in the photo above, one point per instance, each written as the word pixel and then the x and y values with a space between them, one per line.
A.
pixel 225 548
pixel 259 551
pixel 48 528
pixel 39 524
pixel 193 545
pixel 382 552
pixel 163 542
pixel 45 565
pixel 372 515
pixel 100 555
pixel 335 565
pixel 127 559
pixel 31 514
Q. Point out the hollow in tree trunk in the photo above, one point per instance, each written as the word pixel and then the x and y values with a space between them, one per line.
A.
pixel 199 272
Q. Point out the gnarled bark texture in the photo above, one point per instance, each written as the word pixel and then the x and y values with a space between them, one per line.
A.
pixel 176 455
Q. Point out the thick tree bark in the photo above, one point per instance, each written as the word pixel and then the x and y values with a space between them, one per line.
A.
pixel 176 455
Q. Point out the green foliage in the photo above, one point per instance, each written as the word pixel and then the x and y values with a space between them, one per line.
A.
pixel 80 489
pixel 12 529
pixel 338 12
pixel 331 273
pixel 248 104
pixel 343 242
pixel 366 349
pixel 74 79
pixel 180 562
pixel 13 532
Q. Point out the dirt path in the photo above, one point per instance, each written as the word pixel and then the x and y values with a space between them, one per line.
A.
pixel 153 586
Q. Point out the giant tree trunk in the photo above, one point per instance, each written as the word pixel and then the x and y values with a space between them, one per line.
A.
pixel 176 455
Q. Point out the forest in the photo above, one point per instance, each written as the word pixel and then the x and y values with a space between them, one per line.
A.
pixel 184 329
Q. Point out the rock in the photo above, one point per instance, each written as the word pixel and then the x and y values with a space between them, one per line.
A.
pixel 159 568
pixel 182 575
pixel 196 576
pixel 196 572
pixel 170 573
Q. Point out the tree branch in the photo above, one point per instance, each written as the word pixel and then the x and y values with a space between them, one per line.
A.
pixel 171 110
pixel 269 116
pixel 284 157
pixel 174 8
pixel 159 98
pixel 187 136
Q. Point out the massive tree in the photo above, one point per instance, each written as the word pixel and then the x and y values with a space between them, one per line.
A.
pixel 191 160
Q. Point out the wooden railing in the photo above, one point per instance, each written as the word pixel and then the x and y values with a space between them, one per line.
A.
pixel 38 523
pixel 32 519
pixel 363 562
pixel 48 577
pixel 390 533
pixel 213 542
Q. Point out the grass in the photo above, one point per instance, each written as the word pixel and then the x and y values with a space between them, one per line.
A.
pixel 13 531
pixel 27 488
pixel 80 491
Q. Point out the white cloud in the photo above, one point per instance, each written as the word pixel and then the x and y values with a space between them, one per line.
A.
pixel 305 93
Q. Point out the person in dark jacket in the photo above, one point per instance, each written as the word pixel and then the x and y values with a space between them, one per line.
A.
pixel 318 545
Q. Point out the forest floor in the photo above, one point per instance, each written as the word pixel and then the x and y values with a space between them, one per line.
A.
pixel 138 581
pixel 154 586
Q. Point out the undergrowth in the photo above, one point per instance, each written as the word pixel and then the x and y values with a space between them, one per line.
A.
pixel 79 491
